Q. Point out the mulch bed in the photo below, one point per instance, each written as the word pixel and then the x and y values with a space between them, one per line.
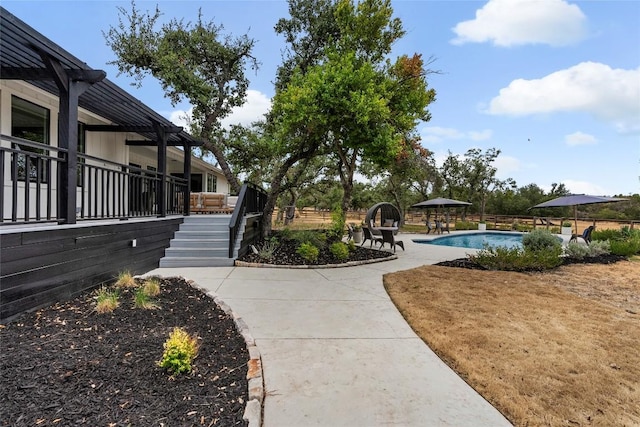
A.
pixel 285 254
pixel 68 365
pixel 600 259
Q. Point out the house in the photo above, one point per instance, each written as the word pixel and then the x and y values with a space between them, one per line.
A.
pixel 92 181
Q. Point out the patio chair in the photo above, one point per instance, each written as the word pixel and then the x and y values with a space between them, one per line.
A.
pixel 429 225
pixel 349 232
pixel 371 237
pixel 388 237
pixel 586 235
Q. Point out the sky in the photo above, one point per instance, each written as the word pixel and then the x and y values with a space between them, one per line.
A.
pixel 553 84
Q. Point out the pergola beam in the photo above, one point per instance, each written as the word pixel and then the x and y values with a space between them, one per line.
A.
pixel 133 129
pixel 153 143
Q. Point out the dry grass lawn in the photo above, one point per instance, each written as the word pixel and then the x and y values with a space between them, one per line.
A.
pixel 560 348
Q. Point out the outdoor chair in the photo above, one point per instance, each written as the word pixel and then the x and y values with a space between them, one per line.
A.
pixel 349 232
pixel 371 237
pixel 429 226
pixel 586 235
pixel 387 237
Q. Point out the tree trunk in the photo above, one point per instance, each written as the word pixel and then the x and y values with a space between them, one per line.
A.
pixel 234 184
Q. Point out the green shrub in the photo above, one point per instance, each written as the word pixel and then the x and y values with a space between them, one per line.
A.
pixel 608 234
pixel 315 237
pixel 625 247
pixel 566 223
pixel 599 247
pixel 576 250
pixel 466 225
pixel 308 251
pixel 338 223
pixel 179 351
pixel 340 250
pixel 541 240
pixel 352 245
pixel 516 259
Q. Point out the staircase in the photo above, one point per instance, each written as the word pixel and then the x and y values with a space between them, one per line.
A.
pixel 201 241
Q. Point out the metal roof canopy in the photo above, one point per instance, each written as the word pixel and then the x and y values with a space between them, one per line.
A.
pixel 20 45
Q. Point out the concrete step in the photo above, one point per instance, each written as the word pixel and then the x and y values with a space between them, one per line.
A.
pixel 200 243
pixel 205 226
pixel 207 219
pixel 194 252
pixel 196 262
pixel 201 235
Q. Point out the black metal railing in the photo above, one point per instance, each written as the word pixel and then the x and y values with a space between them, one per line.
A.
pixel 105 189
pixel 251 199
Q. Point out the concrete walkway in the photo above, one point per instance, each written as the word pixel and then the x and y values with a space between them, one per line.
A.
pixel 335 350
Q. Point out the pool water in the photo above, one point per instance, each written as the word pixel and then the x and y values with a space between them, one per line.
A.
pixel 477 240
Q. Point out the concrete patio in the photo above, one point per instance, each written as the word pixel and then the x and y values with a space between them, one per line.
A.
pixel 335 350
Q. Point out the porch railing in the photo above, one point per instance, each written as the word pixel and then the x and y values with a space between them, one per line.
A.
pixel 105 189
pixel 251 199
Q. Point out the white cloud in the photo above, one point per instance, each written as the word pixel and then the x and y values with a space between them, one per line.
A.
pixel 518 22
pixel 580 138
pixel 583 187
pixel 610 95
pixel 257 105
pixel 482 135
pixel 506 165
pixel 254 109
pixel 436 134
pixel 180 117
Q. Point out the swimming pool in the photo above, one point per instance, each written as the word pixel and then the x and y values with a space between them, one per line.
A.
pixel 477 240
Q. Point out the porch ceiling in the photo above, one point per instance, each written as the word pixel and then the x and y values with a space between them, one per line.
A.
pixel 19 59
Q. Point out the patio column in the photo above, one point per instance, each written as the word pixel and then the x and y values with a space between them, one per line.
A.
pixel 162 169
pixel 71 84
pixel 187 176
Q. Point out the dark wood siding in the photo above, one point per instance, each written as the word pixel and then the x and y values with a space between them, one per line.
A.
pixel 42 266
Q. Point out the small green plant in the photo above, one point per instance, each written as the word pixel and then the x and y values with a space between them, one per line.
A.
pixel 142 300
pixel 106 300
pixel 541 240
pixel 308 251
pixel 352 245
pixel 566 223
pixel 340 250
pixel 125 280
pixel 151 286
pixel 268 248
pixel 180 350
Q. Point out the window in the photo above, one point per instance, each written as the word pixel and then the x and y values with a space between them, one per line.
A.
pixel 212 183
pixel 30 121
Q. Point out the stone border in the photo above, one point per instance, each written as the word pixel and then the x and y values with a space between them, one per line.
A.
pixel 253 408
pixel 346 264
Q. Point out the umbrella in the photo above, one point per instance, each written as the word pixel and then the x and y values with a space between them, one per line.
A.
pixel 575 200
pixel 441 202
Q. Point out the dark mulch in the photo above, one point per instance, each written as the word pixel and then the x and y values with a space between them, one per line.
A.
pixel 67 365
pixel 285 254
pixel 600 259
